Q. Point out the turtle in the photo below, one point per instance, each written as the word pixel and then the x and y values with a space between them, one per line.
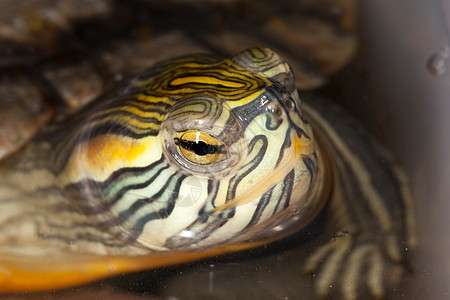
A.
pixel 150 154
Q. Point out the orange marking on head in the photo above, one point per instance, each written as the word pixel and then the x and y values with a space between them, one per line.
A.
pixel 113 148
pixel 303 146
pixel 104 154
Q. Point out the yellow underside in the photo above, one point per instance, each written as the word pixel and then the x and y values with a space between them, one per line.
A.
pixel 26 274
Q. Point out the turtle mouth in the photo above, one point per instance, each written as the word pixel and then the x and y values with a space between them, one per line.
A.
pixel 266 211
pixel 298 206
pixel 301 148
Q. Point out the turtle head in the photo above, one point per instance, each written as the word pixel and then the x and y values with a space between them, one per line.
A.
pixel 206 152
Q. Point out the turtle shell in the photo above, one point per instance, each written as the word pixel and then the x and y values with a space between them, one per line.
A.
pixel 56 59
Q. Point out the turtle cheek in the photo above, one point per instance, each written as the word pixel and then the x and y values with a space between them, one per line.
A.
pixel 98 158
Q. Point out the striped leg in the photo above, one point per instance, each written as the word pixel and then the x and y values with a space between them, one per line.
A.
pixel 370 211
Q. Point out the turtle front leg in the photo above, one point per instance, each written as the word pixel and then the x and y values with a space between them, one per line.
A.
pixel 370 221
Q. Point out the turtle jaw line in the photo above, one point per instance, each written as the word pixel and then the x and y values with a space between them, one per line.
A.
pixel 300 150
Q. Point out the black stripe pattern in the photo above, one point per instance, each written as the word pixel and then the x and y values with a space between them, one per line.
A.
pixel 126 186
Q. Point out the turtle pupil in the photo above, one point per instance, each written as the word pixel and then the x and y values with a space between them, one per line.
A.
pixel 198 147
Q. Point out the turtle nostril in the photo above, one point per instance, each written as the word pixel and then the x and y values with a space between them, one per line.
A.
pixel 290 104
pixel 279 112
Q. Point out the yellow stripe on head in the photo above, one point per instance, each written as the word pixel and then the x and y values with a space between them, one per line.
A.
pixel 99 157
pixel 207 80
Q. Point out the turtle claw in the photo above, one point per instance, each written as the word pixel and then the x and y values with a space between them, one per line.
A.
pixel 341 262
pixel 371 255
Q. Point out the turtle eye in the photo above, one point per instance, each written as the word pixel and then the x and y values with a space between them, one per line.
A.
pixel 201 135
pixel 199 147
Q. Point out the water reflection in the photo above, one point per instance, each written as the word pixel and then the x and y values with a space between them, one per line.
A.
pixel 437 63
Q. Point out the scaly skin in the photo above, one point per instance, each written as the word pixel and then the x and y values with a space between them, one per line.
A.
pixel 103 191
